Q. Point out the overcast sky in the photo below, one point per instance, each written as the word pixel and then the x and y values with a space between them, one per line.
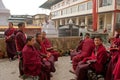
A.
pixel 30 7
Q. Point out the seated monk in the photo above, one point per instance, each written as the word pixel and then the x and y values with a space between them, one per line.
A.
pixel 114 54
pixel 31 59
pixel 95 62
pixel 49 47
pixel 87 48
pixel 77 50
pixel 47 58
pixel 116 71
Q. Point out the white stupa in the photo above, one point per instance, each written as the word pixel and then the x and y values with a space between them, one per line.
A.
pixel 4 14
pixel 50 29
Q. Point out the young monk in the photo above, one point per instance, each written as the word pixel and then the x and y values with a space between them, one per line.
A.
pixel 20 39
pixel 87 48
pixel 31 58
pixel 47 58
pixel 10 41
pixel 77 50
pixel 96 61
pixel 116 71
pixel 49 47
pixel 114 53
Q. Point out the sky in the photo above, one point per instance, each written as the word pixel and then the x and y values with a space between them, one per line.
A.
pixel 25 7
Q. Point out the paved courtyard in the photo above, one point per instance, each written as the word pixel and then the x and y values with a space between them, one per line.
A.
pixel 9 70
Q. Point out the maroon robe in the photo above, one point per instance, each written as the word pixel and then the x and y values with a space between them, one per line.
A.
pixel 77 51
pixel 116 71
pixel 48 44
pixel 98 66
pixel 47 62
pixel 31 61
pixel 85 52
pixel 49 58
pixel 10 42
pixel 114 58
pixel 20 40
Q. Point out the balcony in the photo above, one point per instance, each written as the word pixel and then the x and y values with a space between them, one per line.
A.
pixel 80 9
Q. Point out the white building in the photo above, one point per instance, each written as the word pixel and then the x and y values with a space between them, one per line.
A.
pixel 80 11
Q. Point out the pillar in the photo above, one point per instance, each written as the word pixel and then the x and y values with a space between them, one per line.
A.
pixel 66 21
pixel 61 22
pixel 77 21
pixel 86 21
pixel 105 21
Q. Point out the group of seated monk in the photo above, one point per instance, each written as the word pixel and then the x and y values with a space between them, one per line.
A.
pixel 91 54
pixel 39 57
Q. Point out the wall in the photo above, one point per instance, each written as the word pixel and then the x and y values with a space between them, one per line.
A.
pixel 62 44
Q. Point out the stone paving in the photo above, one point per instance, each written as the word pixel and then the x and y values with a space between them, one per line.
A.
pixel 9 70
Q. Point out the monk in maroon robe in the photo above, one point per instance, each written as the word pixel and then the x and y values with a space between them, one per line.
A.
pixel 10 41
pixel 87 48
pixel 77 50
pixel 20 37
pixel 114 53
pixel 20 43
pixel 47 58
pixel 116 71
pixel 49 47
pixel 31 59
pixel 95 62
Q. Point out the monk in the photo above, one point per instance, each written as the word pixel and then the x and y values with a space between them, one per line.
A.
pixel 87 48
pixel 116 71
pixel 114 53
pixel 10 41
pixel 31 58
pixel 20 43
pixel 49 47
pixel 47 58
pixel 77 50
pixel 95 62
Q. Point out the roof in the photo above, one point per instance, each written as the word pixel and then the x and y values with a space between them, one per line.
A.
pixel 49 3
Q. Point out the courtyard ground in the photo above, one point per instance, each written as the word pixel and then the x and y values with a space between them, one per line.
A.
pixel 9 70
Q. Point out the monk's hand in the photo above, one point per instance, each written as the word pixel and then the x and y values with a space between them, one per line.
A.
pixel 48 54
pixel 88 62
pixel 44 59
pixel 92 61
pixel 50 48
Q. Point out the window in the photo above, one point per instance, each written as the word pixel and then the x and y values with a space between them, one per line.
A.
pixel 68 10
pixel 64 11
pixel 82 7
pixel 101 22
pixel 105 3
pixel 74 9
pixel 89 5
pixel 68 2
pixel 74 0
pixel 118 2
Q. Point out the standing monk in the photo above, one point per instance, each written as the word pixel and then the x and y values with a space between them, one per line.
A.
pixel 49 47
pixel 87 48
pixel 10 41
pixel 31 59
pixel 95 62
pixel 20 43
